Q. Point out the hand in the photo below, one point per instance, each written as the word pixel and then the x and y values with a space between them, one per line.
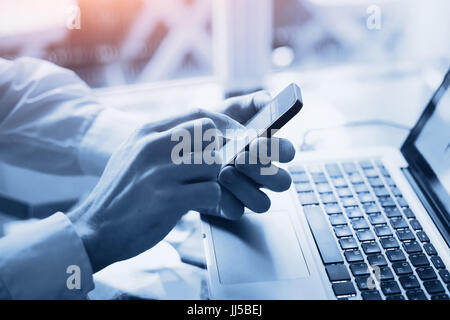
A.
pixel 142 195
pixel 242 182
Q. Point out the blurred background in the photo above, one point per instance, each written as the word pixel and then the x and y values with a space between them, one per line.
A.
pixel 114 42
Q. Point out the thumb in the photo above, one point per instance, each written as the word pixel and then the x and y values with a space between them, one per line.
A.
pixel 221 121
pixel 243 108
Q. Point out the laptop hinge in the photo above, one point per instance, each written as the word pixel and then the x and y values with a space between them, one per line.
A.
pixel 429 205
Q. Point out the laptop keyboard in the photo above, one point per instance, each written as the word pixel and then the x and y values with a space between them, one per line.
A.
pixel 369 239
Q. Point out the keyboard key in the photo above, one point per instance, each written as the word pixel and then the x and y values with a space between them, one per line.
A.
pixel 344 288
pixel 315 169
pixel 337 272
pixel 371 208
pixel 371 173
pixel 405 234
pixel 359 269
pixel 307 198
pixel 415 224
pixel 433 286
pixel 370 247
pixel 426 273
pixel 365 197
pixel 323 188
pixel 386 202
pixel 344 192
pixel 382 231
pixel 319 178
pixel 323 237
pixel 418 259
pixel 354 212
pixel 362 282
pixel 328 198
pixel 390 182
pixel 365 235
pixel 395 255
pixel 412 247
pixel 375 182
pixel 396 191
pixel 389 243
pixel 408 213
pixel 377 218
pixel 371 295
pixel 303 187
pixel 356 178
pixel 349 202
pixel 422 236
pixel 348 243
pixel 386 273
pixel 381 192
pixel 409 282
pixel 349 167
pixel 342 231
pixel 392 212
pixel 402 202
pixel 339 182
pixel 383 171
pixel 297 169
pixel 376 260
pixel 430 249
pixel 332 208
pixel 398 223
pixel 353 256
pixel 366 164
pixel 437 262
pixel 360 188
pixel 360 223
pixel 333 170
pixel 416 294
pixel 299 177
pixel 402 268
pixel 337 219
pixel 445 275
pixel 440 297
pixel 395 297
pixel 390 287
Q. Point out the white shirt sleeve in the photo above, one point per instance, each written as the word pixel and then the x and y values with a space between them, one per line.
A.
pixel 50 121
pixel 45 260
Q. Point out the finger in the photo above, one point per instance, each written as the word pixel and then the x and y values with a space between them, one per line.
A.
pixel 244 189
pixel 190 173
pixel 230 207
pixel 266 176
pixel 198 196
pixel 245 107
pixel 178 143
pixel 221 121
pixel 264 150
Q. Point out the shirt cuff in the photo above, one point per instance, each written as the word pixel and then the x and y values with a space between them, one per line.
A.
pixel 109 130
pixel 45 260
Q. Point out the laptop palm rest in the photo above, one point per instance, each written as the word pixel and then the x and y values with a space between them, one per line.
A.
pixel 257 248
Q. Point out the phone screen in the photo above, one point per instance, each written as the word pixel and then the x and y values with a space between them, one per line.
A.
pixel 266 122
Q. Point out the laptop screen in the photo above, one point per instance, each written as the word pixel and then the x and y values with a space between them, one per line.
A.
pixel 427 150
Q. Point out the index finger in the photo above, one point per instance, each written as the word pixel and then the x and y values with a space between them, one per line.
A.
pixel 264 150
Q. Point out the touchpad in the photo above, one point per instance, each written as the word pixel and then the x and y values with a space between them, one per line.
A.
pixel 257 248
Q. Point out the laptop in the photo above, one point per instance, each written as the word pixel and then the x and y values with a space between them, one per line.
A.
pixel 365 224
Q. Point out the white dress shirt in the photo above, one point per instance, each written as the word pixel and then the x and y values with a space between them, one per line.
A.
pixel 51 122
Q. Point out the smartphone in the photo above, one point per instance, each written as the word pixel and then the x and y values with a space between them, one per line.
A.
pixel 272 117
